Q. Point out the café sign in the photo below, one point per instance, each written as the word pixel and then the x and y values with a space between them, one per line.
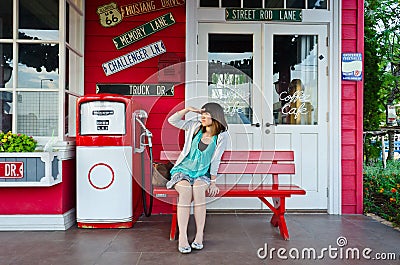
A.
pixel 159 90
pixel 143 31
pixel 261 14
pixel 137 56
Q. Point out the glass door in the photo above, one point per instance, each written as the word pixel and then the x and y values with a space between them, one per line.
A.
pixel 296 84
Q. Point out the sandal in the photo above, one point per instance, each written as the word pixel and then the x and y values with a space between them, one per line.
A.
pixel 197 246
pixel 185 250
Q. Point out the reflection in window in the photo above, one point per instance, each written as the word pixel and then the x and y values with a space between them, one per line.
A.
pixel 6 65
pixel 230 73
pixel 295 4
pixel 209 3
pixel 295 75
pixel 273 3
pixel 37 113
pixel 38 19
pixel 303 4
pixel 317 4
pixel 252 3
pixel 38 62
pixel 6 19
pixel 231 3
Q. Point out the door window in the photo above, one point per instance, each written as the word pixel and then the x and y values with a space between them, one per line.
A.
pixel 230 74
pixel 303 4
pixel 295 79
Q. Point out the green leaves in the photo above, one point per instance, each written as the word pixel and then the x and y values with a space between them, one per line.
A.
pixel 382 190
pixel 10 142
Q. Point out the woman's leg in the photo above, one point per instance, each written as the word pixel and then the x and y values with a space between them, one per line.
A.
pixel 184 189
pixel 199 198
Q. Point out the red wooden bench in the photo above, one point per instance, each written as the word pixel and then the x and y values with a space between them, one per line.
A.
pixel 247 162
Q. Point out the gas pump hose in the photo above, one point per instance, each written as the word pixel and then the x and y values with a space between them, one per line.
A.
pixel 147 210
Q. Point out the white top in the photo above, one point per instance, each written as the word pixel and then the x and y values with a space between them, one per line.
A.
pixel 190 126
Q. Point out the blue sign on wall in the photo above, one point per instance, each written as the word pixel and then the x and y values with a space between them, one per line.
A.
pixel 352 66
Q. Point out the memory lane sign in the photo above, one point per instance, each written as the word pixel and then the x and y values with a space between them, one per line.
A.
pixel 143 31
pixel 134 57
pixel 261 14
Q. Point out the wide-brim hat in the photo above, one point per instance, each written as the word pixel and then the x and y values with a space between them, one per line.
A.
pixel 216 112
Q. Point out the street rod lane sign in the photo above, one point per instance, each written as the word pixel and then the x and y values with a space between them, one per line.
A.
pixel 11 170
pixel 134 57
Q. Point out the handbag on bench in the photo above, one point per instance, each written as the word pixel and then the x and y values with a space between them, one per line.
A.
pixel 161 173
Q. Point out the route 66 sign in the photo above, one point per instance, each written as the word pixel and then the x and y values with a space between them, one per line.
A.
pixel 109 15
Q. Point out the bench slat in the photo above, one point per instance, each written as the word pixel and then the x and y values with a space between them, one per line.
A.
pixel 241 155
pixel 245 190
pixel 256 168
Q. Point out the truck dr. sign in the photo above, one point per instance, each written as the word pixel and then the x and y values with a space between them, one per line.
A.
pixel 11 170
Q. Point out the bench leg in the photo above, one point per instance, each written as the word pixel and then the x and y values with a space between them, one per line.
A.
pixel 172 233
pixel 278 218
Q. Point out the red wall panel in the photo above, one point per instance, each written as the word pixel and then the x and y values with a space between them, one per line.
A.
pixel 352 109
pixel 99 48
pixel 57 199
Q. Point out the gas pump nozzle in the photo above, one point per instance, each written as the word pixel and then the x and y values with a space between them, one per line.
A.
pixel 141 114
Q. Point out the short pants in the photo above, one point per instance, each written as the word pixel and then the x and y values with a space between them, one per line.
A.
pixel 181 176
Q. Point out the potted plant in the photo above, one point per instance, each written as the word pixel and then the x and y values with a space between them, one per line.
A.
pixel 11 142
pixel 22 165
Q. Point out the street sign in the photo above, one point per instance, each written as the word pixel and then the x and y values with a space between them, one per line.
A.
pixel 143 31
pixel 11 170
pixel 160 90
pixel 261 14
pixel 130 59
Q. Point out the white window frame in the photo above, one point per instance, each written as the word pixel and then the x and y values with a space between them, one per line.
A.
pixel 78 5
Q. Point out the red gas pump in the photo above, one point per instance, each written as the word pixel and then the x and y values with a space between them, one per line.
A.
pixel 107 194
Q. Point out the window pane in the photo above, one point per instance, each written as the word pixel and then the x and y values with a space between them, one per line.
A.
pixel 273 3
pixel 70 119
pixel 74 72
pixel 295 79
pixel 252 3
pixel 6 62
pixel 37 113
pixel 231 3
pixel 295 4
pixel 38 19
pixel 230 72
pixel 317 4
pixel 38 66
pixel 6 111
pixel 74 29
pixel 209 3
pixel 6 19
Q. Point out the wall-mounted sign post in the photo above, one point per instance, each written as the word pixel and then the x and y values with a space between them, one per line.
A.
pixel 143 31
pixel 352 66
pixel 148 6
pixel 260 14
pixel 137 89
pixel 134 57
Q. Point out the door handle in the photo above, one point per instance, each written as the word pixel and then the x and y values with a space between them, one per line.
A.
pixel 269 124
pixel 256 124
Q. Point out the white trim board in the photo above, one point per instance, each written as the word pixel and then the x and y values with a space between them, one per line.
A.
pixel 38 222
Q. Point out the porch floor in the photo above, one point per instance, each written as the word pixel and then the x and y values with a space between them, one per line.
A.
pixel 229 239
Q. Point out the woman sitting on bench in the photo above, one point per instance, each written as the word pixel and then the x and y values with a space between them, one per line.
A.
pixel 195 170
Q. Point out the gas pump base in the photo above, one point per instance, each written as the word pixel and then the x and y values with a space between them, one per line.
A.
pixel 106 225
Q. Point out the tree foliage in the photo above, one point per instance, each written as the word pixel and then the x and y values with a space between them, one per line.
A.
pixel 382 59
